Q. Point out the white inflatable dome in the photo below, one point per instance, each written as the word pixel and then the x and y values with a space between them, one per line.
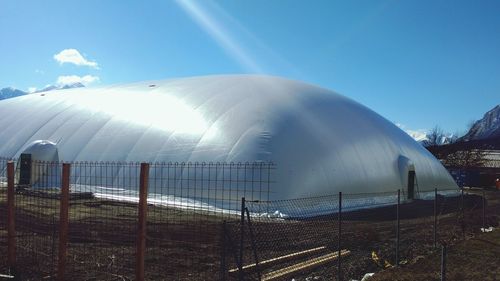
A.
pixel 320 141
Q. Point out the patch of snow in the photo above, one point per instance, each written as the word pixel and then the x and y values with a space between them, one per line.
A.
pixel 367 276
pixel 489 229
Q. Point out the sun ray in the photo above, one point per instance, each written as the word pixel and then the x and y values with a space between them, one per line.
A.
pixel 217 31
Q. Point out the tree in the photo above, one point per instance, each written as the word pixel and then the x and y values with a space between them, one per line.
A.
pixel 434 137
pixel 456 153
pixel 466 158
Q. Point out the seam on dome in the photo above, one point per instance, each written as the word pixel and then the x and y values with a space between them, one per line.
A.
pixel 203 134
pixel 240 138
pixel 119 136
pixel 94 134
pixel 217 95
pixel 125 158
pixel 137 142
pixel 42 126
pixel 228 110
pixel 65 122
pixel 72 135
pixel 203 88
pixel 29 116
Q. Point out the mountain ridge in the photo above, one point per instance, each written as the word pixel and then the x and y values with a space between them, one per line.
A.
pixel 10 92
pixel 486 127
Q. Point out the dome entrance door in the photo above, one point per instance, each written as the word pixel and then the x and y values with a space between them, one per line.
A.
pixel 411 185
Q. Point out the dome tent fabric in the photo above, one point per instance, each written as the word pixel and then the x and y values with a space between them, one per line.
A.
pixel 321 142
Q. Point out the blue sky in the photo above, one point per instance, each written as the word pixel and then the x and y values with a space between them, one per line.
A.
pixel 418 63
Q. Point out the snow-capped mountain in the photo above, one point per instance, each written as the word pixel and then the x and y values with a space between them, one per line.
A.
pixel 430 139
pixel 487 127
pixel 61 87
pixel 72 85
pixel 419 135
pixel 9 92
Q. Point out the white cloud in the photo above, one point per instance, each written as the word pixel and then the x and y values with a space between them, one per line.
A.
pixel 73 56
pixel 31 90
pixel 72 79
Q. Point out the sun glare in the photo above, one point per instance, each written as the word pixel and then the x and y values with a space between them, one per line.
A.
pixel 158 110
pixel 219 34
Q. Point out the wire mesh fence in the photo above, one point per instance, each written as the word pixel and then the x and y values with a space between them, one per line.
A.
pixel 277 234
pixel 102 220
pixel 214 221
pixel 190 201
pixel 303 238
pixel 3 214
pixel 186 203
pixel 36 217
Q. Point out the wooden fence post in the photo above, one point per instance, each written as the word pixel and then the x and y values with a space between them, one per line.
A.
pixel 141 229
pixel 63 221
pixel 11 226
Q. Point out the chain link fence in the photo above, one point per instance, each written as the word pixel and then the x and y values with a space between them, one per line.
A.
pixel 302 239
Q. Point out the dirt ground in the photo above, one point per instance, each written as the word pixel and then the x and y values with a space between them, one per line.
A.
pixel 477 258
pixel 418 257
pixel 189 245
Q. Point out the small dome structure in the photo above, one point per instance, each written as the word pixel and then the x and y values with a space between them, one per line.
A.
pixel 44 155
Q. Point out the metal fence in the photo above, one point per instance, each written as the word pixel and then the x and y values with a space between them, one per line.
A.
pixel 4 268
pixel 304 238
pixel 212 221
pixel 184 205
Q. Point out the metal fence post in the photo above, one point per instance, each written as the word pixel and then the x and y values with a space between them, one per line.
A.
pixel 435 217
pixel 340 237
pixel 254 245
pixel 397 228
pixel 11 226
pixel 142 219
pixel 242 238
pixel 484 210
pixel 462 210
pixel 443 262
pixel 63 221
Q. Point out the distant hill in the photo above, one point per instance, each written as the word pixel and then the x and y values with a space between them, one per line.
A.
pixel 9 92
pixel 486 128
